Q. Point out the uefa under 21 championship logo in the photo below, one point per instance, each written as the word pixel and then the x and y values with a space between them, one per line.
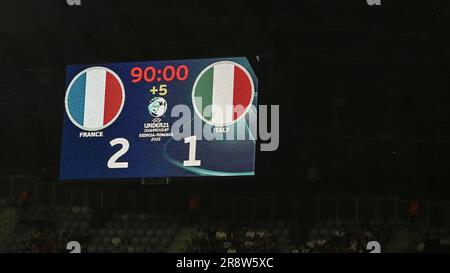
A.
pixel 94 98
pixel 157 107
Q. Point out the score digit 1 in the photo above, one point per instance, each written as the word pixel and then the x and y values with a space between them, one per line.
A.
pixel 192 162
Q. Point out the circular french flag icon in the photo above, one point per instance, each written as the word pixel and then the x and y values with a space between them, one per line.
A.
pixel 223 93
pixel 94 98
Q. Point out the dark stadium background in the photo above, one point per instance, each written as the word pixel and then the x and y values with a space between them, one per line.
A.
pixel 363 93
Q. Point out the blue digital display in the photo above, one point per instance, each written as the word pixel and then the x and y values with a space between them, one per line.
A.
pixel 119 119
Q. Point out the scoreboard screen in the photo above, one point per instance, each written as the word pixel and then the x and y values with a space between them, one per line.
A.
pixel 177 118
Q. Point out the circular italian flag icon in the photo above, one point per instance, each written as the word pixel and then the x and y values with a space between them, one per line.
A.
pixel 223 93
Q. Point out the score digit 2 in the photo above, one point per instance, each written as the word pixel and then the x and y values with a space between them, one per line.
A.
pixel 167 73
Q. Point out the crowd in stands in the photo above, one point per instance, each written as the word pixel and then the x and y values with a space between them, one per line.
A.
pixel 434 240
pixel 46 229
pixel 42 241
pixel 232 238
pixel 135 233
pixel 344 237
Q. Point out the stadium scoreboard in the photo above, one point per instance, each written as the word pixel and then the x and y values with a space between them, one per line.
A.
pixel 119 119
